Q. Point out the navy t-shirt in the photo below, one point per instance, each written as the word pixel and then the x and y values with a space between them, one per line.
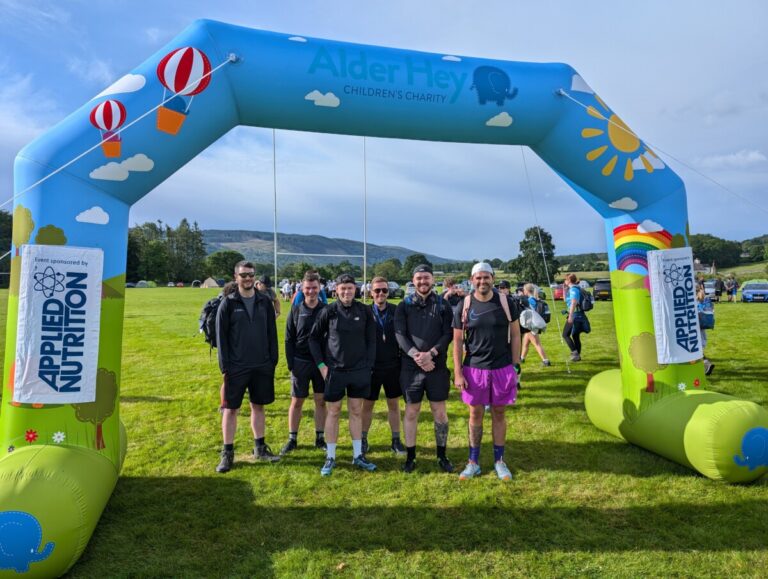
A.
pixel 487 331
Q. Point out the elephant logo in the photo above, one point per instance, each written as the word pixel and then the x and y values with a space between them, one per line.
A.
pixel 492 84
pixel 754 447
pixel 20 537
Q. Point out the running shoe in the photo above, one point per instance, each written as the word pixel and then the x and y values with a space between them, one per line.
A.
pixel 409 466
pixel 502 471
pixel 575 357
pixel 265 453
pixel 227 460
pixel 328 467
pixel 546 363
pixel 470 471
pixel 320 443
pixel 362 462
pixel 365 448
pixel 398 448
pixel 444 464
pixel 288 447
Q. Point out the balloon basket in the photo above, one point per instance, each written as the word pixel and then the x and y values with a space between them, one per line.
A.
pixel 111 148
pixel 169 121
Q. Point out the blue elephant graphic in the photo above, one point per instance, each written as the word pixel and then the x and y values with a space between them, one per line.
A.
pixel 754 447
pixel 20 537
pixel 492 84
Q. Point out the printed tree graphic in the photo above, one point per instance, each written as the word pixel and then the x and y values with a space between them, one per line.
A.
pixel 51 235
pixel 22 230
pixel 642 350
pixel 97 412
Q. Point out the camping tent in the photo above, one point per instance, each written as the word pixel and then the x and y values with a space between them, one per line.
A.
pixel 210 282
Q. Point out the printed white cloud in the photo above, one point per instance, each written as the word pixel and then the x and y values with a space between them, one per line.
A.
pixel 451 58
pixel 625 203
pixel 739 160
pixel 128 83
pixel 578 85
pixel 298 39
pixel 95 215
pixel 323 100
pixel 120 171
pixel 655 162
pixel 648 226
pixel 500 120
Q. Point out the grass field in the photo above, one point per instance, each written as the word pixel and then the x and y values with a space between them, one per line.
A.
pixel 582 503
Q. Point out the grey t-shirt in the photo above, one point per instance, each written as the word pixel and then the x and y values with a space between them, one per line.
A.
pixel 249 304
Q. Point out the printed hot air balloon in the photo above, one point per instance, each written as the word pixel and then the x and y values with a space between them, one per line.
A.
pixel 184 72
pixel 108 116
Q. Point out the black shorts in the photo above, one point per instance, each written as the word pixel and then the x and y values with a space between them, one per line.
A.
pixel 260 383
pixel 415 382
pixel 355 384
pixel 302 374
pixel 387 377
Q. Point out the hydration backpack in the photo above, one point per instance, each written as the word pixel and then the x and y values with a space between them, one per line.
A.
pixel 542 308
pixel 586 300
pixel 207 320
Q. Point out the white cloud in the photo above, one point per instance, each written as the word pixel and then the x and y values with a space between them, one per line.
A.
pixel 120 171
pixel 95 71
pixel 739 160
pixel 579 85
pixel 451 58
pixel 95 215
pixel 500 120
pixel 323 100
pixel 155 35
pixel 648 226
pixel 128 83
pixel 625 203
pixel 298 39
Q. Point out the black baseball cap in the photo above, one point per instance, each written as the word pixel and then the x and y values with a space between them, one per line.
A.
pixel 503 284
pixel 265 280
pixel 422 268
pixel 345 278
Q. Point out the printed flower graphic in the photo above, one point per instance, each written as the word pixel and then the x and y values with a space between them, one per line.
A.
pixel 31 435
pixel 681 386
pixel 696 383
pixel 58 437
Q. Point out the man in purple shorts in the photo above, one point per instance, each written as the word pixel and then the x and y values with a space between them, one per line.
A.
pixel 490 331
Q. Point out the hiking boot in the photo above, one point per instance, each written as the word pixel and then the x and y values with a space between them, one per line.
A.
pixel 365 447
pixel 409 466
pixel 328 467
pixel 546 363
pixel 470 471
pixel 227 460
pixel 362 462
pixel 575 357
pixel 398 448
pixel 320 443
pixel 265 453
pixel 444 464
pixel 502 471
pixel 288 447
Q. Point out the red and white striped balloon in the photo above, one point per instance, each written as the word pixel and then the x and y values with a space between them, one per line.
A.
pixel 181 70
pixel 108 116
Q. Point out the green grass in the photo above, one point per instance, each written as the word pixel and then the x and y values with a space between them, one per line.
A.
pixel 749 271
pixel 582 503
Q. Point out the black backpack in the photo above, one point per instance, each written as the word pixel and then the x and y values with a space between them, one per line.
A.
pixel 208 319
pixel 586 300
pixel 542 308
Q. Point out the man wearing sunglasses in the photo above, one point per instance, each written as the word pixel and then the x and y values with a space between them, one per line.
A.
pixel 386 370
pixel 343 345
pixel 246 334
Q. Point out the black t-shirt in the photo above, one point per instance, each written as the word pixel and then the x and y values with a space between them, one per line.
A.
pixel 487 332
pixel 387 351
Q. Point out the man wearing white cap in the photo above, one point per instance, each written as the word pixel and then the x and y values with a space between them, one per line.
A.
pixel 487 323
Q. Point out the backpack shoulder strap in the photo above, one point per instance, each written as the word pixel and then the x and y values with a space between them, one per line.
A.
pixel 465 310
pixel 505 306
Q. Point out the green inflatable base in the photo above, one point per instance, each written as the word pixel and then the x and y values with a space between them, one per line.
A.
pixel 720 436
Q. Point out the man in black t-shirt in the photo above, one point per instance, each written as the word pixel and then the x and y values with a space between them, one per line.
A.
pixel 301 365
pixel 490 330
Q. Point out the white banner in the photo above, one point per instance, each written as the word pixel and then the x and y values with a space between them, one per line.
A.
pixel 673 299
pixel 57 346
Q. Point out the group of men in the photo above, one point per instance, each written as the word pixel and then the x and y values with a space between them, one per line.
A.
pixel 347 349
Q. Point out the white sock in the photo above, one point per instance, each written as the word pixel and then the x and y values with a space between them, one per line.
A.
pixel 357 448
pixel 331 451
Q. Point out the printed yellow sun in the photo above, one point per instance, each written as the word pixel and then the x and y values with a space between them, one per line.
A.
pixel 622 143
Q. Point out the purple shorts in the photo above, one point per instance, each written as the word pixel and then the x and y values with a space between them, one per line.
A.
pixel 495 387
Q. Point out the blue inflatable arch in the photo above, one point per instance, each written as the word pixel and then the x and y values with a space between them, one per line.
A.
pixel 61 454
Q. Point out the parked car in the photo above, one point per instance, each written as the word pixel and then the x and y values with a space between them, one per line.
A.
pixel 558 293
pixel 602 289
pixel 709 290
pixel 130 284
pixel 395 291
pixel 171 284
pixel 410 289
pixel 755 290
pixel 179 284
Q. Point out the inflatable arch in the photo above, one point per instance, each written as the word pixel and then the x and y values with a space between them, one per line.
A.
pixel 62 445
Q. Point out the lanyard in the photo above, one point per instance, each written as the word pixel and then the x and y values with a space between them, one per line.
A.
pixel 381 321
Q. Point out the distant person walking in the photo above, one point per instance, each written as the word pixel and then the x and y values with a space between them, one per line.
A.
pixel 531 338
pixel 487 324
pixel 731 287
pixel 704 308
pixel 343 346
pixel 246 335
pixel 453 292
pixel 264 285
pixel 577 321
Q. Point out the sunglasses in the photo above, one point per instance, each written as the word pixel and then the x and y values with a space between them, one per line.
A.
pixel 247 274
pixel 380 290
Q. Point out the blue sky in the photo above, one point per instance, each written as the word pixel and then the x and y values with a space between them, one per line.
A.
pixel 688 77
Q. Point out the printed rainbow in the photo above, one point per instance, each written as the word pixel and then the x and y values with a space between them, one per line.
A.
pixel 632 246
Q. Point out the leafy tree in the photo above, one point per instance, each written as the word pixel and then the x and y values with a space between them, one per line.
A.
pixel 708 248
pixel 496 263
pixel 222 263
pixel 389 269
pixel 529 265
pixel 154 263
pixel 50 235
pixel 411 262
pixel 642 350
pixel 102 408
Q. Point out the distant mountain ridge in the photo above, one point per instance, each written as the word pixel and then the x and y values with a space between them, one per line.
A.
pixel 257 246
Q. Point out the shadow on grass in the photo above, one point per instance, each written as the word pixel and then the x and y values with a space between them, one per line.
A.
pixel 216 526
